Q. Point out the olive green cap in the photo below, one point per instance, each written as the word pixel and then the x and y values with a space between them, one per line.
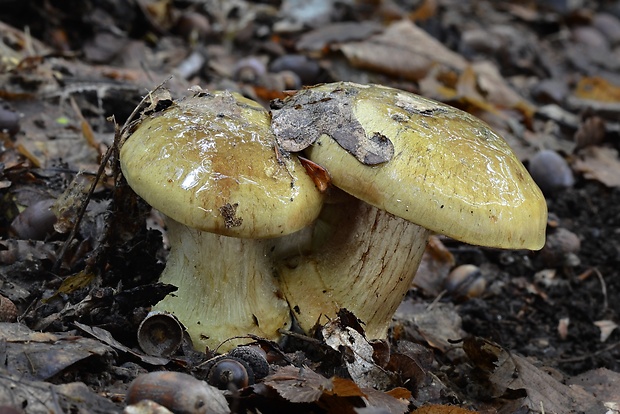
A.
pixel 208 161
pixel 449 172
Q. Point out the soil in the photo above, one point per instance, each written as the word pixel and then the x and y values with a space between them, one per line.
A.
pixel 89 271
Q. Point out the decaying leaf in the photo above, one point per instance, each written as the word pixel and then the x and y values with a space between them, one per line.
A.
pixel 508 373
pixel 44 397
pixel 597 89
pixel 316 40
pixel 12 251
pixel 603 383
pixel 335 395
pixel 442 409
pixel 358 355
pixel 301 119
pixel 106 337
pixel 40 356
pixel 437 325
pixel 298 385
pixel 600 164
pixel 403 50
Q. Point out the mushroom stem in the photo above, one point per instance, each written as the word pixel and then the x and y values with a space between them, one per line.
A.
pixel 360 258
pixel 226 287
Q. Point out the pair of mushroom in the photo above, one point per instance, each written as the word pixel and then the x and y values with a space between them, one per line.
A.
pixel 253 240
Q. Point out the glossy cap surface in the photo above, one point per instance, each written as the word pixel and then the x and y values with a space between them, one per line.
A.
pixel 449 171
pixel 208 161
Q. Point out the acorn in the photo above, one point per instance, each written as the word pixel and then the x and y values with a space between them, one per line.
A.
pixel 561 248
pixel 465 282
pixel 160 334
pixel 178 392
pixel 550 171
pixel 255 357
pixel 230 373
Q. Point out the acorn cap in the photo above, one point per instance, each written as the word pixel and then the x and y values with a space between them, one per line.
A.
pixel 208 161
pixel 449 171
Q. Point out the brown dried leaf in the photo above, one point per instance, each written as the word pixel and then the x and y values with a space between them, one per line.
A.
pixel 318 39
pixel 409 371
pixel 403 51
pixel 510 372
pixel 106 337
pixel 12 251
pixel 43 397
pixel 599 163
pixel 345 388
pixel 36 356
pixel 388 403
pixel 497 91
pixel 442 409
pixel 299 385
pixel 602 382
pixel 437 324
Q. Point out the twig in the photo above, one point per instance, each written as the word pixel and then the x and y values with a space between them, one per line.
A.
pixel 590 355
pixel 83 207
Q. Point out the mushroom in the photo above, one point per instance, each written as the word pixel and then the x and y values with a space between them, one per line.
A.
pixel 208 163
pixel 411 166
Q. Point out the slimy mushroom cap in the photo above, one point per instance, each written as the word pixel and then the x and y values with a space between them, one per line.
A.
pixel 449 172
pixel 208 162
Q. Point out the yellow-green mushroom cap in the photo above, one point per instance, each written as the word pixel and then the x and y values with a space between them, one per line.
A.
pixel 208 162
pixel 449 172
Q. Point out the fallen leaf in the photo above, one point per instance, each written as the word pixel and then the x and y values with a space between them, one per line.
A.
pixel 597 89
pixel 602 382
pixel 509 372
pixel 357 354
pixel 385 401
pixel 298 385
pixel 599 163
pixel 44 397
pixel 106 337
pixel 436 263
pixel 318 39
pixel 403 50
pixel 35 356
pixel 442 409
